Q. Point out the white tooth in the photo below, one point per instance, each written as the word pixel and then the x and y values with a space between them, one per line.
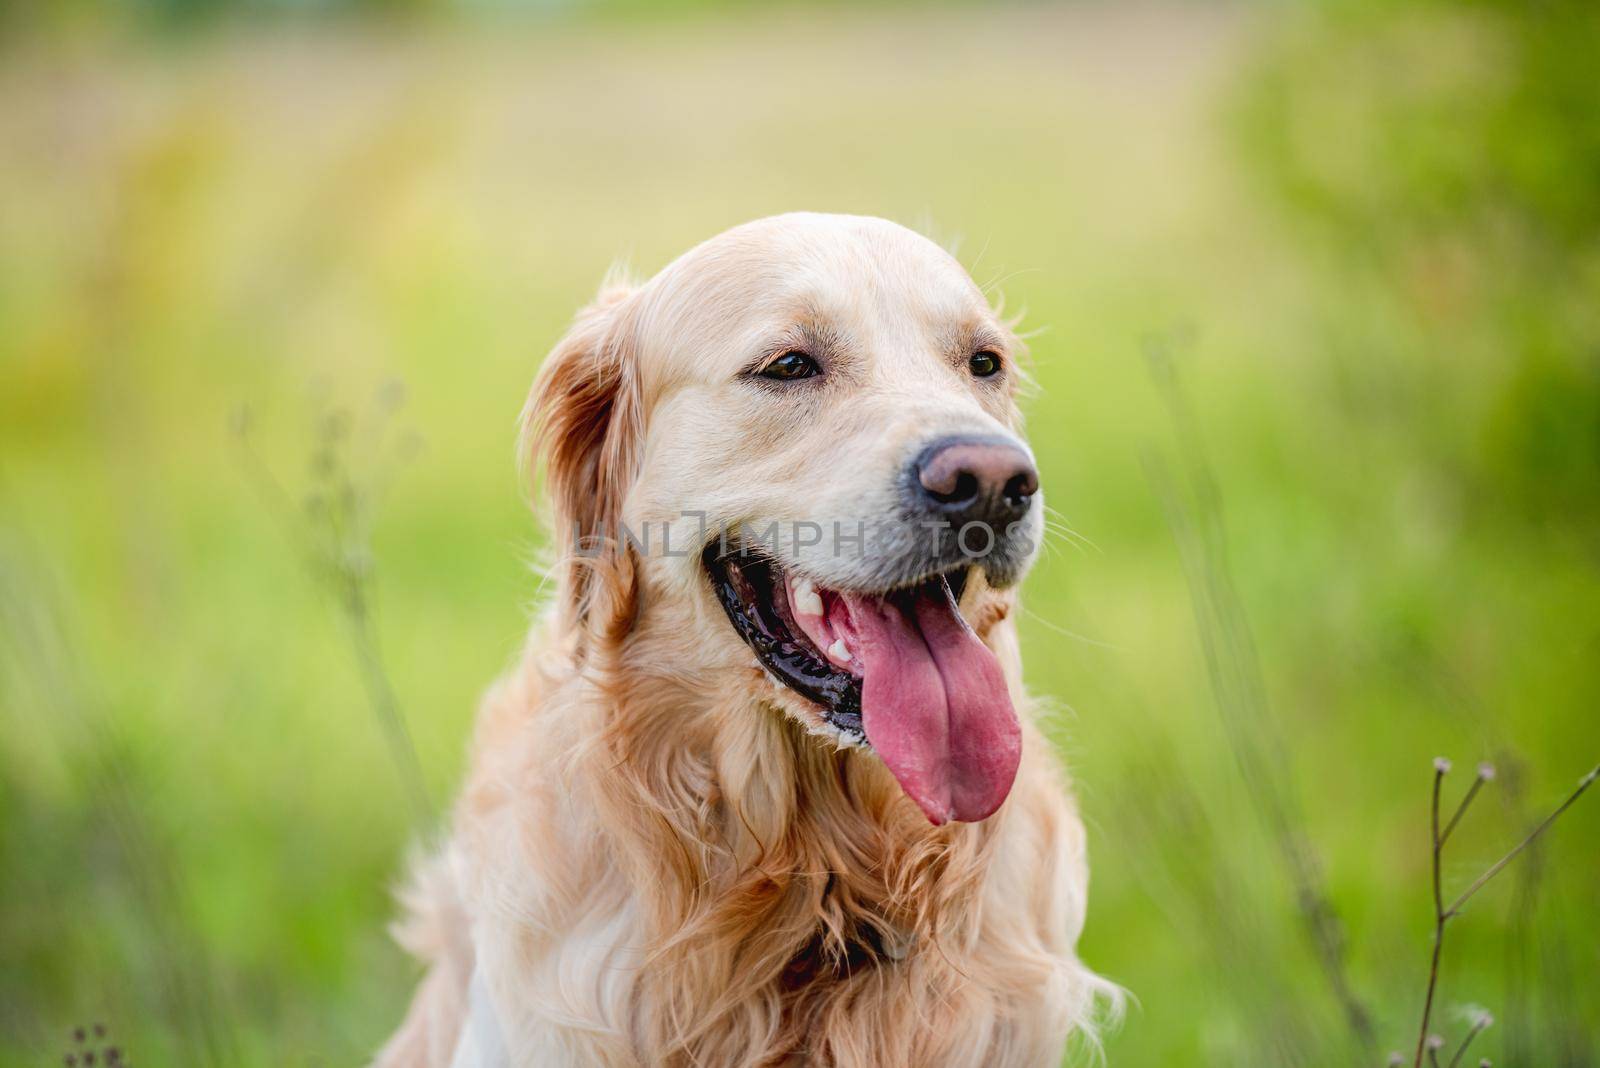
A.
pixel 838 653
pixel 806 598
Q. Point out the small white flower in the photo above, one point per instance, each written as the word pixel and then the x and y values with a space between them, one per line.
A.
pixel 1441 764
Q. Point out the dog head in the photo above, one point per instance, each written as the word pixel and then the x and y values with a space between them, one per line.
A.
pixel 800 440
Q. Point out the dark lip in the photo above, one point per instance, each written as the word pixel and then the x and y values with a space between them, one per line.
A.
pixel 750 589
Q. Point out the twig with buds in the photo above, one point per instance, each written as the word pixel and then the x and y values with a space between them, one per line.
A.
pixel 1480 1021
pixel 1430 1043
pixel 332 533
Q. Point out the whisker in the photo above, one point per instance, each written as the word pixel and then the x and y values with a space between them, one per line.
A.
pixel 1070 536
pixel 1065 526
pixel 1074 635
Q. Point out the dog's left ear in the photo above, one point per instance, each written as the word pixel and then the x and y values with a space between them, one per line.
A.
pixel 583 425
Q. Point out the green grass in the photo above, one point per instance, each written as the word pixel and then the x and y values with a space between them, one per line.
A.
pixel 201 819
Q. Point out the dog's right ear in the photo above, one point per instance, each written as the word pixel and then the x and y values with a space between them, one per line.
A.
pixel 583 425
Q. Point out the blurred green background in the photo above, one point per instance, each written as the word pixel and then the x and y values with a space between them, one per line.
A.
pixel 1318 299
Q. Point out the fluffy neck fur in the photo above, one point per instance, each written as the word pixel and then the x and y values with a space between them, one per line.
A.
pixel 714 886
pixel 791 860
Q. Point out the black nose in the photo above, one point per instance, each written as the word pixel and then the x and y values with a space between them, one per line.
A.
pixel 975 480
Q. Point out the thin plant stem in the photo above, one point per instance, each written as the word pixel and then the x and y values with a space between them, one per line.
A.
pixel 1495 868
pixel 333 549
pixel 1477 1027
pixel 1461 809
pixel 1443 915
pixel 1438 923
pixel 380 691
pixel 1192 500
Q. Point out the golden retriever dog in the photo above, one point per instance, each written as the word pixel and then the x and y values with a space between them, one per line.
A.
pixel 764 788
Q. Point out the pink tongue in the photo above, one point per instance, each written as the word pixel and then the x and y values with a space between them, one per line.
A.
pixel 934 704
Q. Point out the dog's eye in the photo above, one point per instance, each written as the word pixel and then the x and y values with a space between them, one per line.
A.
pixel 984 363
pixel 791 366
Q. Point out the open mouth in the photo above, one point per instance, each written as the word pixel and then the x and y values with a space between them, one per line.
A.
pixel 898 668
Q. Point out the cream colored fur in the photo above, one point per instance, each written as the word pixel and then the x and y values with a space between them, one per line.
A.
pixel 661 857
